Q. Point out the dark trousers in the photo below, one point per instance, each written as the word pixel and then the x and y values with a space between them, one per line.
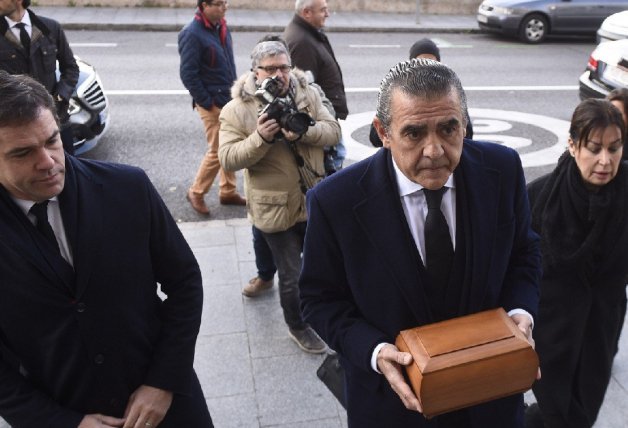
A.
pixel 286 248
pixel 263 256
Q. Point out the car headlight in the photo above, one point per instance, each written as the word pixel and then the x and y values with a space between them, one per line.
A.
pixel 498 10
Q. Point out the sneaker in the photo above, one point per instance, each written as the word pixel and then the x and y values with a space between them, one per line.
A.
pixel 308 340
pixel 257 286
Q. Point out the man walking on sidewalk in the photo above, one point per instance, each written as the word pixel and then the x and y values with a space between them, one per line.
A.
pixel 207 71
pixel 85 339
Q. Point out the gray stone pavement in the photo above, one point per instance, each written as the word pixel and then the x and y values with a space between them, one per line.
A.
pixel 252 373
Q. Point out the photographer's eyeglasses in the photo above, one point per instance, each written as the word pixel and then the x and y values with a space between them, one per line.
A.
pixel 271 69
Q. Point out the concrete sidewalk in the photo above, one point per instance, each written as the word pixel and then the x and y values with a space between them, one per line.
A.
pixel 173 19
pixel 253 374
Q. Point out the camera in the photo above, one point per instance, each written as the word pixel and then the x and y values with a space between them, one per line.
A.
pixel 282 109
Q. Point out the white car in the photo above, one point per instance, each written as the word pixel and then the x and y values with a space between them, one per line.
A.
pixel 615 27
pixel 606 70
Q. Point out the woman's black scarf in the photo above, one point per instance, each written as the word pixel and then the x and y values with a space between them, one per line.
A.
pixel 578 226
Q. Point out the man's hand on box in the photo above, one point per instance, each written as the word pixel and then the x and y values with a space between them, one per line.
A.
pixel 389 362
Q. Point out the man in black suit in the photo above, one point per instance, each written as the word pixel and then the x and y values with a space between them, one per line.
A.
pixel 85 340
pixel 372 269
pixel 32 44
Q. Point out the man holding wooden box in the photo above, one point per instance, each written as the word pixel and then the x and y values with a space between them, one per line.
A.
pixel 431 227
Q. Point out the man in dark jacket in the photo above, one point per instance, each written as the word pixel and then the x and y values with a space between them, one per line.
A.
pixel 31 44
pixel 310 50
pixel 85 339
pixel 208 70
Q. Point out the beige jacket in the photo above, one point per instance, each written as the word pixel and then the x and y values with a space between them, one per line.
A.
pixel 271 178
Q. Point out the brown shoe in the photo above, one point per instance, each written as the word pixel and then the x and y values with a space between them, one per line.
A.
pixel 256 286
pixel 233 199
pixel 197 202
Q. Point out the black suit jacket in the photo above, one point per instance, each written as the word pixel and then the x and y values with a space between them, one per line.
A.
pixel 362 280
pixel 82 343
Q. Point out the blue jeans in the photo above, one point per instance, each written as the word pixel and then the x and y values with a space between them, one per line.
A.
pixel 263 256
pixel 286 247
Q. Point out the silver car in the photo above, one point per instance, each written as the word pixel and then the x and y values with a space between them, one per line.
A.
pixel 532 21
pixel 88 109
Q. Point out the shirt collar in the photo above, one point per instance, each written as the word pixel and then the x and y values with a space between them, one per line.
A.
pixel 407 187
pixel 26 205
pixel 26 20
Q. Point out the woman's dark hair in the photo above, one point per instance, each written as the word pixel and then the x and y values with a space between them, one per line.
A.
pixel 592 114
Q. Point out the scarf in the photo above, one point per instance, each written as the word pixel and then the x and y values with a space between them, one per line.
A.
pixel 578 227
pixel 221 25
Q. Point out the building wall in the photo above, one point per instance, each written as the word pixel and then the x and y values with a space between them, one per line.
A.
pixel 399 6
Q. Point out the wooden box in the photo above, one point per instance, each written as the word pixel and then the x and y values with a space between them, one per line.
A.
pixel 468 360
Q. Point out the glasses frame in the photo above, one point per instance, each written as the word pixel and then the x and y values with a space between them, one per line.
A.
pixel 284 68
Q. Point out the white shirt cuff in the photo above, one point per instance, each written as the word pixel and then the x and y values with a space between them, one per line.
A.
pixel 374 356
pixel 524 312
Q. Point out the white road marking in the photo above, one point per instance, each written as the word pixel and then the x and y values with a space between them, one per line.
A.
pixel 488 120
pixel 147 92
pixel 94 45
pixel 374 46
pixel 352 90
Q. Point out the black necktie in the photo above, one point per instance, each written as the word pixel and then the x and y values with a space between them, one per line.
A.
pixel 439 251
pixel 40 211
pixel 25 39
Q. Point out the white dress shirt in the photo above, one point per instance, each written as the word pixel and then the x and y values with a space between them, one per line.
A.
pixel 415 209
pixel 26 20
pixel 56 222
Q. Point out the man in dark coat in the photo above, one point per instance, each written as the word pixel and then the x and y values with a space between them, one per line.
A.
pixel 310 50
pixel 35 50
pixel 85 340
pixel 364 276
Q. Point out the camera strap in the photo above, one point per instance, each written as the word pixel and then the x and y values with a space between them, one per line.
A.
pixel 308 177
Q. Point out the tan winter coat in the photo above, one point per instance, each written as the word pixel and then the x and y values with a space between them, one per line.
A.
pixel 271 178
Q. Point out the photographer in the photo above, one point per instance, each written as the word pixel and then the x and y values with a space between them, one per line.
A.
pixel 264 131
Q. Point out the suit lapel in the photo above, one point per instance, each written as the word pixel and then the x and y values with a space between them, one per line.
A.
pixel 479 184
pixel 381 216
pixel 19 234
pixel 82 208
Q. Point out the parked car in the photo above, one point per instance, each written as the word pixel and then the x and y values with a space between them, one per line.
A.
pixel 606 70
pixel 533 20
pixel 89 109
pixel 615 27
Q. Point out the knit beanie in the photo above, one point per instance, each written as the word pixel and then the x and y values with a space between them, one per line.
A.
pixel 424 46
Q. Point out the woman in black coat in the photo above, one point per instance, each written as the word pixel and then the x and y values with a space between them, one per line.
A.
pixel 579 210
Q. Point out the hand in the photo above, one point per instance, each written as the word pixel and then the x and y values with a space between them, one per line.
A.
pixel 267 128
pixel 147 407
pixel 389 362
pixel 100 421
pixel 525 325
pixel 289 135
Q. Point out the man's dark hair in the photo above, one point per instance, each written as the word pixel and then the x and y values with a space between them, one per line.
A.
pixel 423 78
pixel 621 95
pixel 425 46
pixel 200 2
pixel 22 100
pixel 593 114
